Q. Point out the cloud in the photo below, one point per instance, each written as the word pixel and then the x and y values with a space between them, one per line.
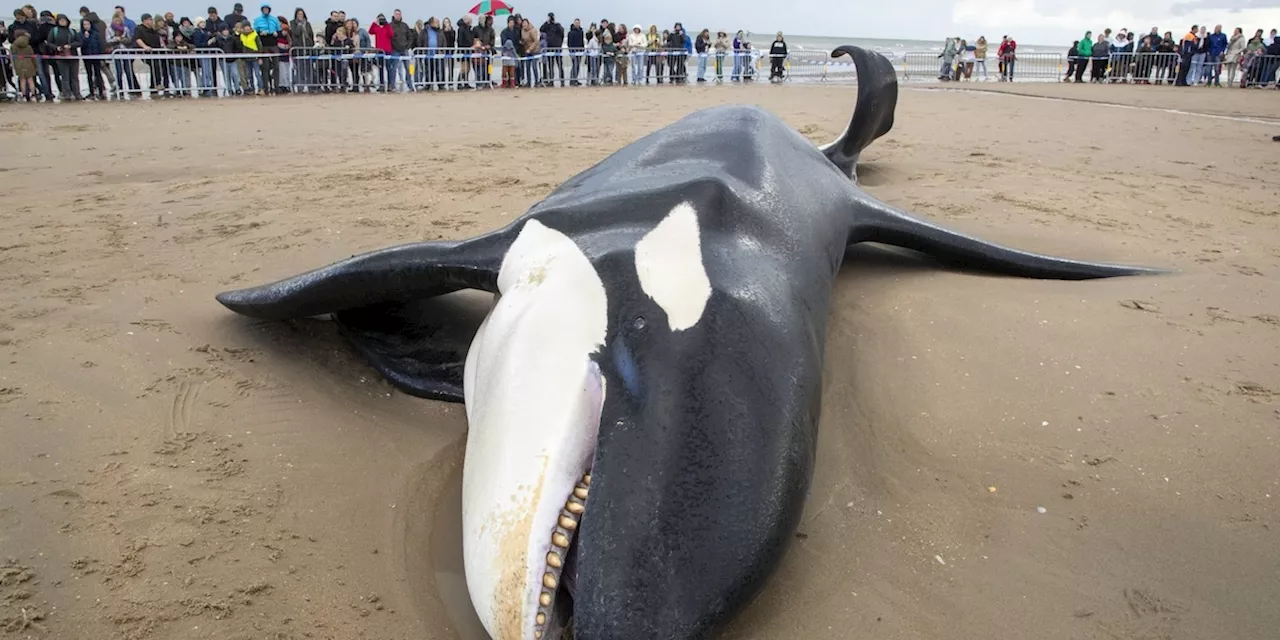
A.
pixel 1229 6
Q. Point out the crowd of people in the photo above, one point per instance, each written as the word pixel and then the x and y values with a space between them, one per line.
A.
pixel 960 60
pixel 47 55
pixel 1197 58
pixel 268 54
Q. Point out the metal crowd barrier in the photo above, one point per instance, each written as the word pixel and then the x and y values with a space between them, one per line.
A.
pixel 1166 68
pixel 925 66
pixel 136 74
pixel 206 73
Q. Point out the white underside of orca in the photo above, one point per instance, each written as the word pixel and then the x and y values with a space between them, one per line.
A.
pixel 533 398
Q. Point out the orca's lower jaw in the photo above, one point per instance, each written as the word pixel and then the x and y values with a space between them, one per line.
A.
pixel 555 598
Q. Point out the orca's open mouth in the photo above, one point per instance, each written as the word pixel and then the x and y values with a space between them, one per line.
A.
pixel 555 601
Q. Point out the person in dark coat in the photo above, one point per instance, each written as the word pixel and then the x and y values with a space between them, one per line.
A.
pixel 91 44
pixel 554 31
pixel 64 44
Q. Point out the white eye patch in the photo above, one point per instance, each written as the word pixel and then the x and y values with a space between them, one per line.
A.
pixel 669 265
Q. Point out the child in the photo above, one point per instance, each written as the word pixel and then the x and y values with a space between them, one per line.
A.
pixel 253 71
pixel 508 64
pixel 24 64
pixel 230 66
pixel 609 51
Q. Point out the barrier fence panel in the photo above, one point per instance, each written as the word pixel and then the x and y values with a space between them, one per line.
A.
pixel 450 69
pixel 1260 71
pixel 1034 67
pixel 341 70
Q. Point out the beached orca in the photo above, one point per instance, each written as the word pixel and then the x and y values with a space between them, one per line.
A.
pixel 643 396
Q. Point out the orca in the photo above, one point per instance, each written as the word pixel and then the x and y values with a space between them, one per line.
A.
pixel 643 396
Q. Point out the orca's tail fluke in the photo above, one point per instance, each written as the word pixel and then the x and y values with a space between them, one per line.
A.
pixel 875 221
pixel 873 114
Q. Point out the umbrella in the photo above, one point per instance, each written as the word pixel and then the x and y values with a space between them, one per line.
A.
pixel 491 8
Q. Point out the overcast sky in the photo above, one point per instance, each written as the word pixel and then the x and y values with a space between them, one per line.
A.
pixel 1029 21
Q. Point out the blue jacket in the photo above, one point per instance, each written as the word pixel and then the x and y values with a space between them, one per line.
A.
pixel 1217 44
pixel 266 23
pixel 90 44
pixel 688 42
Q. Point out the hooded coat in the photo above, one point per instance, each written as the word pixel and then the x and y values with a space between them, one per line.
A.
pixel 24 56
pixel 1085 48
pixel 265 22
pixel 100 27
pixel 300 33
pixel 92 42
pixel 63 36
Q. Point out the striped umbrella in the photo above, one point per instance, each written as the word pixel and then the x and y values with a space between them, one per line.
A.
pixel 491 8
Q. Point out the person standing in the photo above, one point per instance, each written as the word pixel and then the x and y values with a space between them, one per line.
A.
pixel 980 57
pixel 636 43
pixel 577 42
pixel 1008 53
pixel 1217 48
pixel 702 48
pixel 1186 50
pixel 382 34
pixel 532 43
pixel 92 45
pixel 146 38
pixel 948 57
pixel 268 30
pixel 466 51
pixel 554 32
pixel 402 41
pixel 302 37
pixel 777 58
pixel 65 42
pixel 486 39
pixel 1235 49
pixel 100 29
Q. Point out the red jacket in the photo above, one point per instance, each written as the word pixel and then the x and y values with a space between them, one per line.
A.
pixel 381 36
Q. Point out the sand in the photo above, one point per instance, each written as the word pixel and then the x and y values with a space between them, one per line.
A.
pixel 170 470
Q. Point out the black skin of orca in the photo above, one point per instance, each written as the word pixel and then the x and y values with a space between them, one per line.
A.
pixel 707 437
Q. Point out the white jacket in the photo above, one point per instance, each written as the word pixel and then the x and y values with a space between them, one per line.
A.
pixel 637 41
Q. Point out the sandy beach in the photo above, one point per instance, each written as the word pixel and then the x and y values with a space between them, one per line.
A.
pixel 999 458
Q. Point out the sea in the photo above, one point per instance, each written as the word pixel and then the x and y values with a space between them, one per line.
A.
pixel 893 48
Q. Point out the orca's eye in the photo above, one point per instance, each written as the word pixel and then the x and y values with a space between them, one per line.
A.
pixel 638 323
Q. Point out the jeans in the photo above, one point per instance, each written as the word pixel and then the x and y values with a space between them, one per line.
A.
pixel 702 66
pixel 945 70
pixel 530 71
pixel 637 67
pixel 1213 69
pixel 253 75
pixel 128 80
pixel 575 65
pixel 593 69
pixel 608 71
pixel 284 72
pixel 1197 68
pixel 1008 69
pixel 982 64
pixel 231 76
pixel 42 74
pixel 208 84
pixel 737 66
pixel 399 67
pixel 181 74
